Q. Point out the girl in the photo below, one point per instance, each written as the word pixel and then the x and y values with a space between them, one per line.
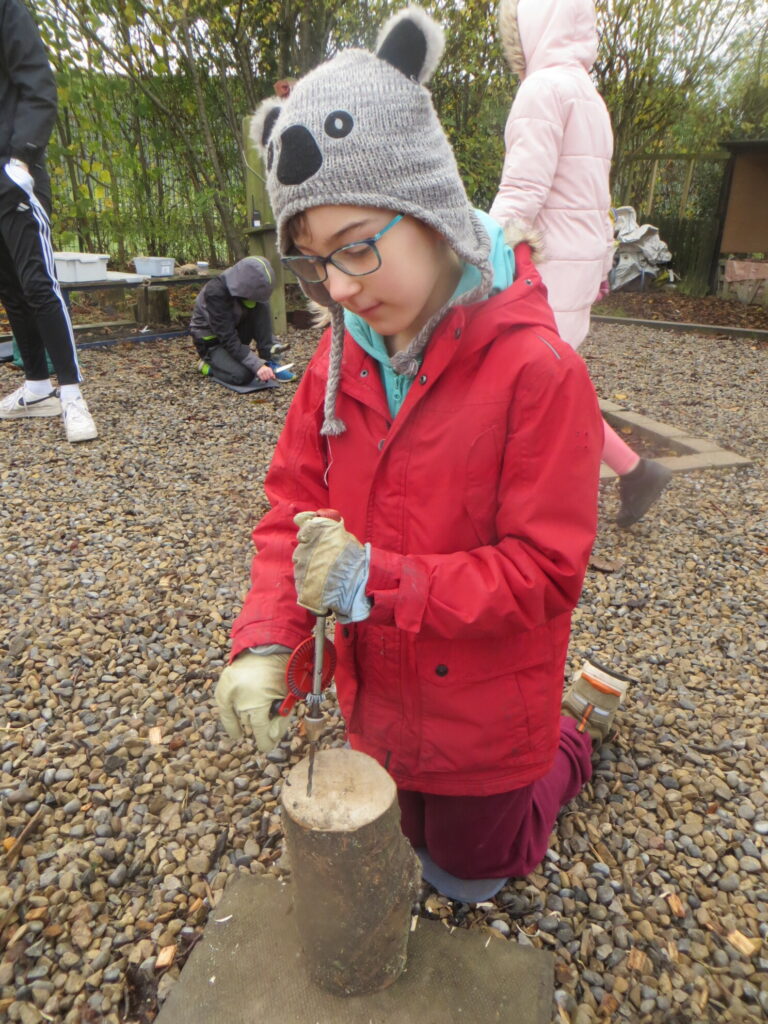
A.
pixel 460 439
pixel 555 182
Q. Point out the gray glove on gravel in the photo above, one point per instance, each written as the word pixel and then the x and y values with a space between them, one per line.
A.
pixel 244 695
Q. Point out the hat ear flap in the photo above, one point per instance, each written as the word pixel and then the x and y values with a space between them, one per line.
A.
pixel 263 123
pixel 412 42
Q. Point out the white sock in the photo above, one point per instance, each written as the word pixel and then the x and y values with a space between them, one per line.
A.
pixel 69 392
pixel 38 388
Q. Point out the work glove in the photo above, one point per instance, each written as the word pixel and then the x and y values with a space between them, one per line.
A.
pixel 19 174
pixel 244 694
pixel 330 568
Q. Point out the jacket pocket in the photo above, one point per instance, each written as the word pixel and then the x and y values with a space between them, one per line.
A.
pixel 483 703
pixel 481 475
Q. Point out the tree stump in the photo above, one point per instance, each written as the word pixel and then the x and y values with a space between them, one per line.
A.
pixel 355 874
pixel 153 305
pixel 111 301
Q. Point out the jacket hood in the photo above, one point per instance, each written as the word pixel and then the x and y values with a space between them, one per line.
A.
pixel 251 279
pixel 537 34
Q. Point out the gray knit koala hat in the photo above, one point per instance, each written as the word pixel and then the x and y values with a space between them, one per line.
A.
pixel 361 130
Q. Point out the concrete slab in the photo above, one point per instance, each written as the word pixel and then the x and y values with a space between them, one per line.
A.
pixel 695 452
pixel 654 429
pixel 720 459
pixel 674 325
pixel 695 444
pixel 248 969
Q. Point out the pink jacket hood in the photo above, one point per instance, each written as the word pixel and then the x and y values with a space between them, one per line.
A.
pixel 557 33
pixel 555 180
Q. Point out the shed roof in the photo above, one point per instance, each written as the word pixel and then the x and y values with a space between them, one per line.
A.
pixel 746 145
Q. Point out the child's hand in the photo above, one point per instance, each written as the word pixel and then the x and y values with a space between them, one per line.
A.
pixel 245 693
pixel 265 373
pixel 330 567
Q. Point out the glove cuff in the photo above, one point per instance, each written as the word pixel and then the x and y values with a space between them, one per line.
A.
pixel 345 586
pixel 267 649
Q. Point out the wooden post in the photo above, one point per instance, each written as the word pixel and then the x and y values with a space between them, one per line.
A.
pixel 652 188
pixel 262 233
pixel 110 301
pixel 153 305
pixel 355 874
pixel 686 188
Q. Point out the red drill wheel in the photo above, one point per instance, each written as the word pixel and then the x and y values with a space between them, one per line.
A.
pixel 301 665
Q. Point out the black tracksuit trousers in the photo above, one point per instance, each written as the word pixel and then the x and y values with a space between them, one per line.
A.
pixel 29 289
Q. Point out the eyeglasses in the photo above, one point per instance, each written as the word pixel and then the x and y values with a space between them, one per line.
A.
pixel 356 259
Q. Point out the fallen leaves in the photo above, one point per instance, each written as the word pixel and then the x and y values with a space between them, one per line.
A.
pixel 675 307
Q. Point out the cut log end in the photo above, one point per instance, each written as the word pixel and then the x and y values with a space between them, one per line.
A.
pixel 349 790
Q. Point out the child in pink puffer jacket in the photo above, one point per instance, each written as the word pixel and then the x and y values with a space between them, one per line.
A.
pixel 555 182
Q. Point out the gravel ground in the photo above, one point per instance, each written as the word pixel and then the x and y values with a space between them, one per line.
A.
pixel 124 810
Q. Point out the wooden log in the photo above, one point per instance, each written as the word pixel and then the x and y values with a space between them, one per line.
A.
pixel 110 301
pixel 153 305
pixel 355 874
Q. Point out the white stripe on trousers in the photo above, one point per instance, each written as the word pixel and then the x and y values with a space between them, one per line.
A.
pixel 44 224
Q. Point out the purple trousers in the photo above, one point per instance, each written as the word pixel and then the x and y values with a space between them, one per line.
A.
pixel 500 836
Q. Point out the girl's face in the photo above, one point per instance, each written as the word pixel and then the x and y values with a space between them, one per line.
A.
pixel 418 272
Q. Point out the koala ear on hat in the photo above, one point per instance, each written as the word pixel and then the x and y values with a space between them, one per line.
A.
pixel 263 122
pixel 412 42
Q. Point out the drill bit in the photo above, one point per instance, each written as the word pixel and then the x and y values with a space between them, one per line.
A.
pixel 313 723
pixel 313 720
pixel 311 770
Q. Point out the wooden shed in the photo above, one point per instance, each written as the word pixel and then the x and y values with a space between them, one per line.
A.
pixel 743 215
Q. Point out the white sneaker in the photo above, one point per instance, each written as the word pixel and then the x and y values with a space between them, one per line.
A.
pixel 21 405
pixel 78 422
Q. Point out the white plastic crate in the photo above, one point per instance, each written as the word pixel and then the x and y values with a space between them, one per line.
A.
pixel 155 266
pixel 80 266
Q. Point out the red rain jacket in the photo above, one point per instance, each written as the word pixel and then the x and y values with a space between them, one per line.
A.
pixel 480 503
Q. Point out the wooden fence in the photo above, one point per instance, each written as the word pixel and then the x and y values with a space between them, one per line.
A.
pixel 692 241
pixel 679 194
